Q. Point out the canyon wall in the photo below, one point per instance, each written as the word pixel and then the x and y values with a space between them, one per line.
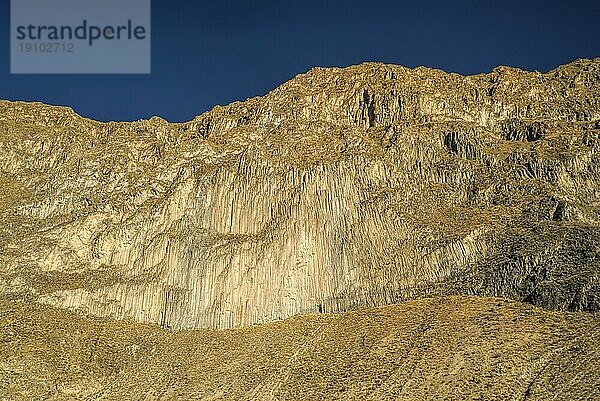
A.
pixel 341 189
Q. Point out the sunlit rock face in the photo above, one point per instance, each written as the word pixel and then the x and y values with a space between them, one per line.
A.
pixel 342 188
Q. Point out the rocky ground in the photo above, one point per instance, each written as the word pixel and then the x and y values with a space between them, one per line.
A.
pixel 449 348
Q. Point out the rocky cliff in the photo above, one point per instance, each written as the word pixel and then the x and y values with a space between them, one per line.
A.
pixel 343 188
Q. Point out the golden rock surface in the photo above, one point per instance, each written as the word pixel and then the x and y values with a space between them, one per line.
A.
pixel 452 224
pixel 343 188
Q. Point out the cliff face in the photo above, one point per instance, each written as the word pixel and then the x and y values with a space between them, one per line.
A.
pixel 340 189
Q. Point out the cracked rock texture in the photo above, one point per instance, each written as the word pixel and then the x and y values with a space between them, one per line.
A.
pixel 343 188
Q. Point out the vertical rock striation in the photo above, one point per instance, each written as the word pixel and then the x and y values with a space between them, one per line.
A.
pixel 342 188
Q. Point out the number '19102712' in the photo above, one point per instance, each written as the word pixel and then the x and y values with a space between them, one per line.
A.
pixel 47 47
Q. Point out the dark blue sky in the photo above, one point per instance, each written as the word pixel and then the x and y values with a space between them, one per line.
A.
pixel 214 52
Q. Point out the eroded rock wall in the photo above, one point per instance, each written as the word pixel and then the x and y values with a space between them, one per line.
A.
pixel 342 188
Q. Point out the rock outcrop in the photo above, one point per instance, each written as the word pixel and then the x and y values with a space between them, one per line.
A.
pixel 343 188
